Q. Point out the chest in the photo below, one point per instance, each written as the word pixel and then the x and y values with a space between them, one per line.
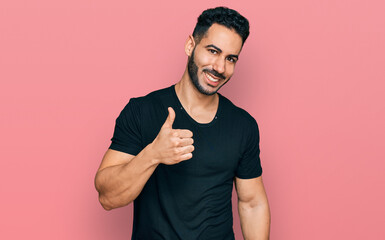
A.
pixel 217 146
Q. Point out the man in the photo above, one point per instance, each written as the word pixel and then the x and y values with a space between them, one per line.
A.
pixel 176 151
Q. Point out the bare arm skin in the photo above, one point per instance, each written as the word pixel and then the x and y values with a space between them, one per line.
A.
pixel 121 176
pixel 253 208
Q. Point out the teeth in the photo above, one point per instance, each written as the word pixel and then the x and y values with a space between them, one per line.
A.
pixel 211 78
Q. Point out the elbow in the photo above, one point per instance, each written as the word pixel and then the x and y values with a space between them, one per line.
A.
pixel 106 204
pixel 111 199
pixel 103 200
pixel 105 207
pixel 112 203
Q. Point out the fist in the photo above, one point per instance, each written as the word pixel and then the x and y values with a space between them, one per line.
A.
pixel 172 146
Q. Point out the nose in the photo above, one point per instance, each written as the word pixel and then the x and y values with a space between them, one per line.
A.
pixel 220 65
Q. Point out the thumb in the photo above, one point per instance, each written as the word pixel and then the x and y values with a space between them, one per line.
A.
pixel 170 119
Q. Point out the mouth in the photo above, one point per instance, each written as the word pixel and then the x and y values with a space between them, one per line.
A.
pixel 211 80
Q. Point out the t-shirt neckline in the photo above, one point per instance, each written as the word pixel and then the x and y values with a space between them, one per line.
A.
pixel 181 108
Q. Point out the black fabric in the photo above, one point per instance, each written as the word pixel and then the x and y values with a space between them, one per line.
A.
pixel 191 199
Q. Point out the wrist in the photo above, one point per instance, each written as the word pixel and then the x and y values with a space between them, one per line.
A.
pixel 150 154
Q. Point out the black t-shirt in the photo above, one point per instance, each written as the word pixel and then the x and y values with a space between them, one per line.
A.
pixel 191 199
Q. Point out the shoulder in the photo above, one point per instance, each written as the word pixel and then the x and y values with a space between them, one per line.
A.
pixel 139 107
pixel 159 94
pixel 150 99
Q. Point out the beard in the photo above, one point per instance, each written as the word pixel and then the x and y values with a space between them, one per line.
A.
pixel 192 69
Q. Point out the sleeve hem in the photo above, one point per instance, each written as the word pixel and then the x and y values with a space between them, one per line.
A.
pixel 125 149
pixel 250 176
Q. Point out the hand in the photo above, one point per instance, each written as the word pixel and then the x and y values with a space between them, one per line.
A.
pixel 172 146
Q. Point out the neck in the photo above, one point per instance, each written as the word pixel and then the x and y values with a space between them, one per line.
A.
pixel 191 98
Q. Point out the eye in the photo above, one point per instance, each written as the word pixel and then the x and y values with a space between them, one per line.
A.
pixel 231 59
pixel 213 51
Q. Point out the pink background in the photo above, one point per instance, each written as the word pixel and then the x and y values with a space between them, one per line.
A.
pixel 312 73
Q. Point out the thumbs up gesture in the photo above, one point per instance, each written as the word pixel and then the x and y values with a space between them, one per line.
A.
pixel 172 146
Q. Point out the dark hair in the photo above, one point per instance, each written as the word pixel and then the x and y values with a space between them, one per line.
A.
pixel 223 16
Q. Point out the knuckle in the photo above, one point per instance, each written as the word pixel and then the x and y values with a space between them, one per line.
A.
pixel 175 143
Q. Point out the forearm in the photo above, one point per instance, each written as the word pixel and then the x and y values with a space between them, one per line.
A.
pixel 119 185
pixel 255 221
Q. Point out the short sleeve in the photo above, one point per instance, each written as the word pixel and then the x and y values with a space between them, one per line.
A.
pixel 127 135
pixel 249 165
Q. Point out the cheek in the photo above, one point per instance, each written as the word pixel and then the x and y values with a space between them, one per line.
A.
pixel 230 69
pixel 204 59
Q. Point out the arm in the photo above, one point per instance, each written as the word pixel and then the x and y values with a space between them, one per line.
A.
pixel 121 176
pixel 253 208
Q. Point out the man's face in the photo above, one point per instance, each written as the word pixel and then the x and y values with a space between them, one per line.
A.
pixel 212 61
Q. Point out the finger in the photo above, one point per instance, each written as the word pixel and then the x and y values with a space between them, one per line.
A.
pixel 185 149
pixel 170 118
pixel 186 156
pixel 184 133
pixel 185 142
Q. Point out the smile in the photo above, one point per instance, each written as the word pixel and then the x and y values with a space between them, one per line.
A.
pixel 211 78
pixel 211 81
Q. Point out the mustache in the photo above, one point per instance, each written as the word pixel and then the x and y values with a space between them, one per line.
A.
pixel 215 73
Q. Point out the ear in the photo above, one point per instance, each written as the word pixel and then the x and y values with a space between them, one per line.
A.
pixel 189 46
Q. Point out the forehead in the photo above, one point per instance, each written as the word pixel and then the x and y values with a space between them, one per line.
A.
pixel 226 39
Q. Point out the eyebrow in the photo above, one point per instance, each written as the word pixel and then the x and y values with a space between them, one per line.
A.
pixel 220 50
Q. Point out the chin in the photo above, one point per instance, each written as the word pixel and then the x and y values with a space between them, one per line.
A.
pixel 210 90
